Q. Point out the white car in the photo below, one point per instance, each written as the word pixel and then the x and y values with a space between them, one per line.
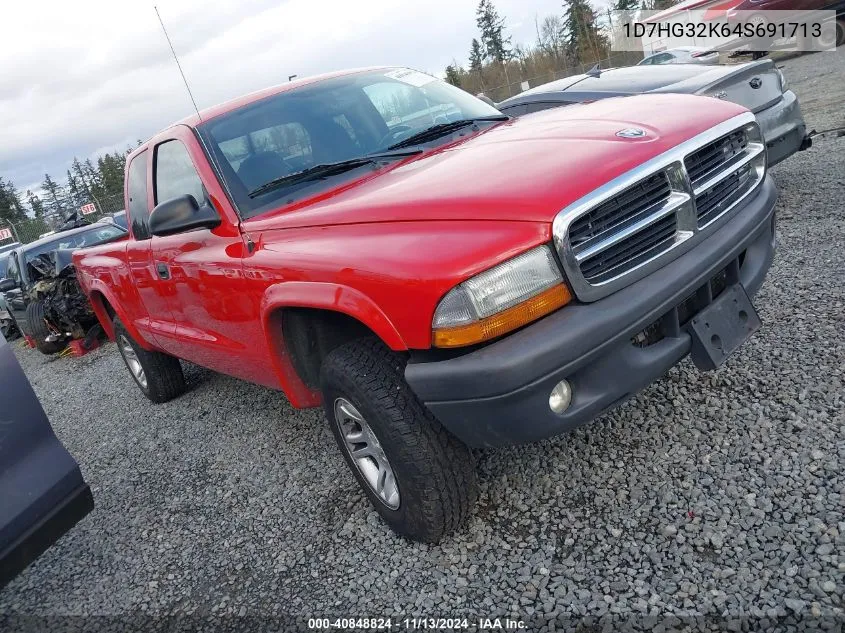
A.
pixel 682 55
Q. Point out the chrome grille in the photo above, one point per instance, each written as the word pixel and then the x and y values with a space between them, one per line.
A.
pixel 710 157
pixel 641 220
pixel 620 210
pixel 640 246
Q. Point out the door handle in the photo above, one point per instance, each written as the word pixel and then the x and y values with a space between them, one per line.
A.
pixel 163 271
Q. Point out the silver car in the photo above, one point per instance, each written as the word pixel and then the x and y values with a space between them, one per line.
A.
pixel 682 55
pixel 759 86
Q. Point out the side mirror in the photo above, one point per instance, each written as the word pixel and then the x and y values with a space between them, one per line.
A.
pixel 8 284
pixel 182 214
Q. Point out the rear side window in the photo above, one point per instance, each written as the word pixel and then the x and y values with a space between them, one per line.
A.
pixel 175 174
pixel 139 213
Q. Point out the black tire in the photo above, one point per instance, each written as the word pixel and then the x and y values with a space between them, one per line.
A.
pixel 162 378
pixel 434 471
pixel 39 330
pixel 840 31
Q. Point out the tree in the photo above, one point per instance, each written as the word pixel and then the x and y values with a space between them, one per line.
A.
pixel 11 209
pixel 584 41
pixel 453 74
pixel 53 191
pixel 550 37
pixel 658 5
pixel 476 57
pixel 35 204
pixel 492 29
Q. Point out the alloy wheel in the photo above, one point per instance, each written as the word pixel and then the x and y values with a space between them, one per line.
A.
pixel 366 451
pixel 132 362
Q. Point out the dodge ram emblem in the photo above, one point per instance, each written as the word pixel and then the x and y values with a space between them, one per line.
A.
pixel 631 132
pixel 755 83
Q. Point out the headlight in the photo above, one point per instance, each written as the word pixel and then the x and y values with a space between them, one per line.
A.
pixel 499 300
pixel 783 83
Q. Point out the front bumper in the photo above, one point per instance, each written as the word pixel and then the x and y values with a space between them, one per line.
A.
pixel 783 128
pixel 498 395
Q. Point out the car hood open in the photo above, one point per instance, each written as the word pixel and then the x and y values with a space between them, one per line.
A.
pixel 525 169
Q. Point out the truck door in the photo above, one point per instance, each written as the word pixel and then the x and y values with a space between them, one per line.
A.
pixel 153 317
pixel 200 273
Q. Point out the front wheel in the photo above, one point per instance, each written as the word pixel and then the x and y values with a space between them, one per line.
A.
pixel 418 476
pixel 41 334
pixel 158 375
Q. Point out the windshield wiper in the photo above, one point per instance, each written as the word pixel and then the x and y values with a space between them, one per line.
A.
pixel 324 170
pixel 441 129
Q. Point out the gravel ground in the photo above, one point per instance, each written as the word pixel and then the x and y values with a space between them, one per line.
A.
pixel 715 495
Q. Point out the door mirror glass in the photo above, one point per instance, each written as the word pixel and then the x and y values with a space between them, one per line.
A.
pixel 182 214
pixel 8 284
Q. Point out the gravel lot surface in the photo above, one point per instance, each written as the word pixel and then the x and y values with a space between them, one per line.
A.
pixel 718 495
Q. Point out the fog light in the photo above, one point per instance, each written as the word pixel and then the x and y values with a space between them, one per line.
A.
pixel 560 397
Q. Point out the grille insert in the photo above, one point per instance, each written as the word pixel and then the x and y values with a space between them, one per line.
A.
pixel 620 211
pixel 710 204
pixel 710 158
pixel 630 252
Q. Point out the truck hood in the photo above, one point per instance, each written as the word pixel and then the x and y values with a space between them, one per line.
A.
pixel 525 169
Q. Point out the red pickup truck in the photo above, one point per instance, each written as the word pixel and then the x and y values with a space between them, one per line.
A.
pixel 437 275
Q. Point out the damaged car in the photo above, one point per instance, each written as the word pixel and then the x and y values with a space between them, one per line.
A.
pixel 42 296
pixel 7 325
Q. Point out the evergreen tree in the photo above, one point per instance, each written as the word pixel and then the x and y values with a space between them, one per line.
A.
pixel 453 74
pixel 583 38
pixel 658 5
pixel 476 56
pixel 626 5
pixel 35 204
pixel 54 202
pixel 492 29
pixel 11 209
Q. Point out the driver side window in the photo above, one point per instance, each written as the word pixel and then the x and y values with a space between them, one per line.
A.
pixel 175 174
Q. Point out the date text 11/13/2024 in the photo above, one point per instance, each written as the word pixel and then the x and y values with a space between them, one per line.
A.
pixel 415 624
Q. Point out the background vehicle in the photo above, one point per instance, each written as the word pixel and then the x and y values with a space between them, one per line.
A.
pixel 7 325
pixel 5 248
pixel 118 218
pixel 753 12
pixel 36 282
pixel 435 275
pixel 42 492
pixel 682 55
pixel 758 86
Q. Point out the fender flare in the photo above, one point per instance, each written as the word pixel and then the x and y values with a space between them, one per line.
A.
pixel 330 296
pixel 98 289
pixel 319 296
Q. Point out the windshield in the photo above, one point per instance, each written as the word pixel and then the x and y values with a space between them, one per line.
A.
pixel 327 122
pixel 96 234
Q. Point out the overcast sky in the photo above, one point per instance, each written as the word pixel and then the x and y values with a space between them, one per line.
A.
pixel 85 77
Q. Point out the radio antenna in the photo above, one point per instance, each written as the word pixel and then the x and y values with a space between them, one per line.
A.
pixel 178 65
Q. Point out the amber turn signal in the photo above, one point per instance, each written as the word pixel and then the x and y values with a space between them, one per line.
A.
pixel 506 321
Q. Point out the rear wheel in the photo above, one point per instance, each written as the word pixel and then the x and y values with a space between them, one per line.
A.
pixel 840 31
pixel 40 332
pixel 158 375
pixel 418 476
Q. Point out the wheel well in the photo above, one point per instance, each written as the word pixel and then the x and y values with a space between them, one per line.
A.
pixel 99 297
pixel 107 307
pixel 311 334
